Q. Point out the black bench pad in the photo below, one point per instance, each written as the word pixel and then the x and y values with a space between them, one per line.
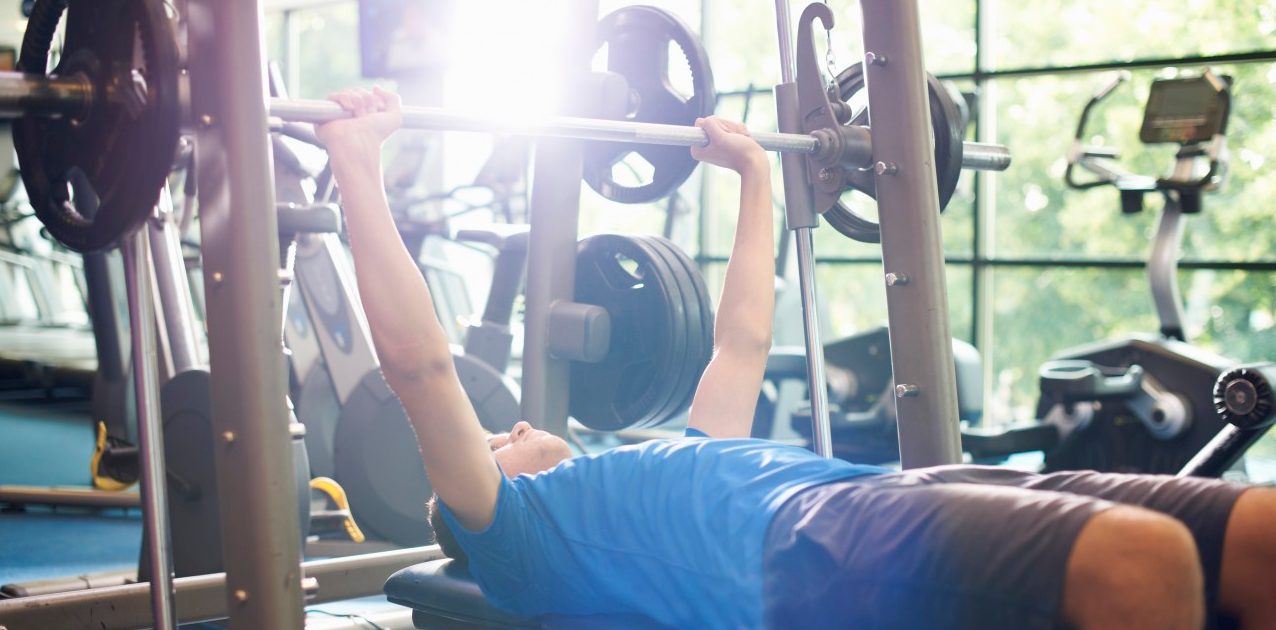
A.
pixel 443 595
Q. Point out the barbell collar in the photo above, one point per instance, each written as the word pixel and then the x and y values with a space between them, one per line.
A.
pixel 982 156
pixel 22 94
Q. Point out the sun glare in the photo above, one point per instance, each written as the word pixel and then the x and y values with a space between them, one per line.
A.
pixel 507 57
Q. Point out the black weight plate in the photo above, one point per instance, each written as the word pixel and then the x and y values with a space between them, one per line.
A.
pixel 949 132
pixel 119 152
pixel 648 409
pixel 680 331
pixel 637 40
pixel 700 322
pixel 621 389
pixel 688 373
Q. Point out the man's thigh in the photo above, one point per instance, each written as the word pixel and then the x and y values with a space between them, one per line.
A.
pixel 963 546
pixel 903 551
pixel 1203 505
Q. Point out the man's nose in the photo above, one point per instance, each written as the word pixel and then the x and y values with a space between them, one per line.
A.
pixel 520 429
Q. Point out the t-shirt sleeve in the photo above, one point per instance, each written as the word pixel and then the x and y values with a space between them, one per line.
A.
pixel 690 432
pixel 498 552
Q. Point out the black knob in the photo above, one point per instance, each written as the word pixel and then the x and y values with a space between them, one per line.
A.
pixel 1244 397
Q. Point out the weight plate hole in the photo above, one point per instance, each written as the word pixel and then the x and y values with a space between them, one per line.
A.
pixel 632 170
pixel 81 201
pixel 679 74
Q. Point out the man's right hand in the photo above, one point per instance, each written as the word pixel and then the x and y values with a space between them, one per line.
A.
pixel 730 145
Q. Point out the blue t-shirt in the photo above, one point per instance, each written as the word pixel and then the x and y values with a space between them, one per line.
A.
pixel 669 529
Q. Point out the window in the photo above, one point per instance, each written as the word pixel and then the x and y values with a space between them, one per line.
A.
pixel 1034 267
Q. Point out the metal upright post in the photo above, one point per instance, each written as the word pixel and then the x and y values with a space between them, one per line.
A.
pixel 159 557
pixel 241 258
pixel 801 217
pixel 551 250
pixel 172 287
pixel 912 247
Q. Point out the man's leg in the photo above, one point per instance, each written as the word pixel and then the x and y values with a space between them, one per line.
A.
pixel 1234 542
pixel 1249 560
pixel 1134 568
pixel 924 549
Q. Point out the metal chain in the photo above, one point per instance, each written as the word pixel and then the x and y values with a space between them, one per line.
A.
pixel 830 61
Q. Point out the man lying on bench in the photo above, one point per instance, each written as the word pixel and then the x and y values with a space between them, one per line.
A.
pixel 718 530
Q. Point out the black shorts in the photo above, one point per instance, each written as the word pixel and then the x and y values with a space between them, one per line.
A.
pixel 959 546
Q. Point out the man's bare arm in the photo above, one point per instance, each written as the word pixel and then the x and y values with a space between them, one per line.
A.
pixel 727 395
pixel 410 342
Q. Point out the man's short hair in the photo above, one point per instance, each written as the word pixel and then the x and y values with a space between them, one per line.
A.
pixel 443 534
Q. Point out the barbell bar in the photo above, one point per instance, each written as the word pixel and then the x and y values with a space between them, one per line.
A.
pixel 975 155
pixel 28 94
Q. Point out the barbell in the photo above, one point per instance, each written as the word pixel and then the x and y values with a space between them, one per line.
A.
pixel 975 155
pixel 29 94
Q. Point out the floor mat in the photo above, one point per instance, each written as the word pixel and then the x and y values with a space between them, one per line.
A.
pixel 40 543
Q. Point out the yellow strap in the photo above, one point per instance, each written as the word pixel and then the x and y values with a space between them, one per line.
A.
pixel 103 482
pixel 337 494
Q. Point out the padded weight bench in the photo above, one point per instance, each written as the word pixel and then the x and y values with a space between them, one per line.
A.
pixel 442 594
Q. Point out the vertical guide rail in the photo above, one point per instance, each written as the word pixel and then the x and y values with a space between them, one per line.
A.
pixel 260 538
pixel 801 217
pixel 172 286
pixel 551 249
pixel 159 557
pixel 912 247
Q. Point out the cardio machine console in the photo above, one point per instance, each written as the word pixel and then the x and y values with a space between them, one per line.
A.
pixel 1186 111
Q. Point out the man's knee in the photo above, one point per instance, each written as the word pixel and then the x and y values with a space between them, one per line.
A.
pixel 1249 559
pixel 1134 568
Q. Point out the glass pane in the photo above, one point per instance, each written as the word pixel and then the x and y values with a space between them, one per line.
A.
pixel 686 10
pixel 328 40
pixel 1036 34
pixel 1232 313
pixel 1039 312
pixel 272 27
pixel 1037 215
pixel 741 38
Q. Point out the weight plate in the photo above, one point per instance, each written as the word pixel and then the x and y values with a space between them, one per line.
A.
pixel 680 331
pixel 94 178
pixel 699 345
pixel 637 40
pixel 700 323
pixel 671 344
pixel 617 274
pixel 949 133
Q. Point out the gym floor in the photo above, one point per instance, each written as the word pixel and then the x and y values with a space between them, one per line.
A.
pixel 45 444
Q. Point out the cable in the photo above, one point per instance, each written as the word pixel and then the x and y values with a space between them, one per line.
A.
pixel 352 617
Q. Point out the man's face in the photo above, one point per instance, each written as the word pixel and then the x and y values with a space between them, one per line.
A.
pixel 525 450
